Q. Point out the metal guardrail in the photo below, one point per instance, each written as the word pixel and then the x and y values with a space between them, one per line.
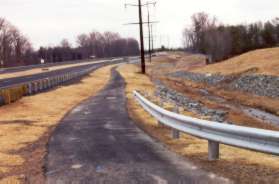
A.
pixel 85 71
pixel 260 140
pixel 28 67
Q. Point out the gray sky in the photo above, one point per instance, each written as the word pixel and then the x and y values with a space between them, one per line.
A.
pixel 47 22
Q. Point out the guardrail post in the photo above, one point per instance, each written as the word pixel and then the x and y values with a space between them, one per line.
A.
pixel 175 133
pixel 160 124
pixel 44 84
pixel 41 85
pixel 213 150
pixel 48 83
pixel 51 82
pixel 35 87
pixel 30 89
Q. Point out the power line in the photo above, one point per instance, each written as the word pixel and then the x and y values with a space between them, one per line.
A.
pixel 149 30
pixel 140 5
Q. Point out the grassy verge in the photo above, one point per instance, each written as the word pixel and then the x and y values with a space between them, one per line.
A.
pixel 240 165
pixel 25 127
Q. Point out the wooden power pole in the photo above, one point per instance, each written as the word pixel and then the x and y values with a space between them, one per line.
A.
pixel 142 51
pixel 141 39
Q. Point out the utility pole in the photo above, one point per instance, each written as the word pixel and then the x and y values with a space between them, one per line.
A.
pixel 149 35
pixel 152 39
pixel 149 30
pixel 140 5
pixel 141 39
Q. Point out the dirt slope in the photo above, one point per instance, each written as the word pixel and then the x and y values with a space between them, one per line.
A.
pixel 263 61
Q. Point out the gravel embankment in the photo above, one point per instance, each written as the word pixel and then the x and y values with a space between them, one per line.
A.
pixel 197 77
pixel 189 104
pixel 261 85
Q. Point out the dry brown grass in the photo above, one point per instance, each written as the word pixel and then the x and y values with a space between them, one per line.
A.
pixel 240 165
pixel 25 126
pixel 175 61
pixel 264 61
pixel 38 70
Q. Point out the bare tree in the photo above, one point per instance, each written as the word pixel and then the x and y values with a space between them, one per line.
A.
pixel 108 44
pixel 65 43
pixel 13 45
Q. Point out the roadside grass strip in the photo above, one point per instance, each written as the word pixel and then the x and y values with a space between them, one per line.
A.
pixel 26 125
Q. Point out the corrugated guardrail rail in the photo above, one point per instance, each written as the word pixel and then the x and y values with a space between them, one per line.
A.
pixel 260 140
pixel 37 86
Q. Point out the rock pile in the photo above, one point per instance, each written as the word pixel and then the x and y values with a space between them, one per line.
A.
pixel 189 104
pixel 197 77
pixel 261 85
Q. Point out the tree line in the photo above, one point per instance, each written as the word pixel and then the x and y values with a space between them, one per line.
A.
pixel 14 46
pixel 91 45
pixel 208 36
pixel 17 50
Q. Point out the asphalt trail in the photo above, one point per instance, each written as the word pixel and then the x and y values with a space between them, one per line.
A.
pixel 98 143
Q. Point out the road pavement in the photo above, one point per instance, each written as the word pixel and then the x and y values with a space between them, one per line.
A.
pixel 23 79
pixel 98 143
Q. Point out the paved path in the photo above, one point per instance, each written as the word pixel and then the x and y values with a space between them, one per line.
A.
pixel 98 143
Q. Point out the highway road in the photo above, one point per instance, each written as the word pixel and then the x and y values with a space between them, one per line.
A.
pixel 38 66
pixel 23 79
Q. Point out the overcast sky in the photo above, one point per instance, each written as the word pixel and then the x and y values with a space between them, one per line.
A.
pixel 47 22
